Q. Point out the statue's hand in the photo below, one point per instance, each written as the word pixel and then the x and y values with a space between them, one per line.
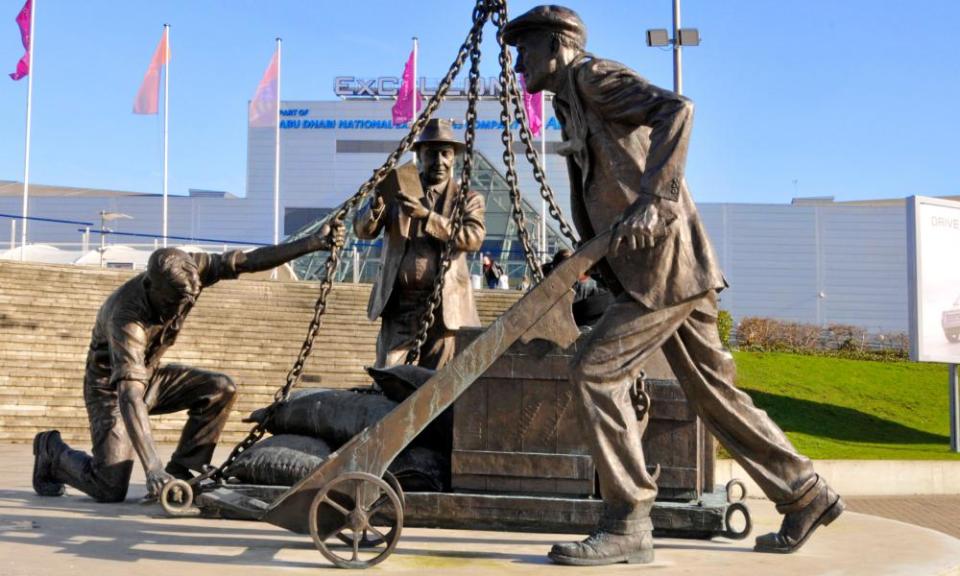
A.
pixel 639 230
pixel 331 236
pixel 412 207
pixel 156 478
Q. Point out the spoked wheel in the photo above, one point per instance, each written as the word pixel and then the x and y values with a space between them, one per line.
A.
pixel 371 518
pixel 368 539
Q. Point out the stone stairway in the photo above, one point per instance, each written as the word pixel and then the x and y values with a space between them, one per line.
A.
pixel 250 329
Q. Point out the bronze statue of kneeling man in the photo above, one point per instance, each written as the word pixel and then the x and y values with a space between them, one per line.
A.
pixel 626 145
pixel 124 381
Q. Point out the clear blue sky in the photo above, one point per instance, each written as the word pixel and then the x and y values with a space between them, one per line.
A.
pixel 855 99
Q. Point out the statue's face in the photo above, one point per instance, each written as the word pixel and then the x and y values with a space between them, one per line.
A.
pixel 536 60
pixel 436 162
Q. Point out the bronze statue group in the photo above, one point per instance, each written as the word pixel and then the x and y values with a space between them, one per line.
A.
pixel 625 143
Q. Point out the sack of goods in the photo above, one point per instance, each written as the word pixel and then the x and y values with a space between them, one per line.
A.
pixel 335 416
pixel 313 423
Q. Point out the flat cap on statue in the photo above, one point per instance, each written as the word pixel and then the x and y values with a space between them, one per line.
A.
pixel 439 130
pixel 550 18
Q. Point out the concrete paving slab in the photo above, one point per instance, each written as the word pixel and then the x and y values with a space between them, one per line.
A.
pixel 939 512
pixel 74 535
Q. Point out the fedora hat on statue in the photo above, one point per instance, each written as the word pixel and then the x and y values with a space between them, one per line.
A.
pixel 439 131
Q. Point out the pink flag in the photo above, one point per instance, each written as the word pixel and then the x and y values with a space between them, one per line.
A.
pixel 263 107
pixel 403 108
pixel 533 105
pixel 23 21
pixel 148 97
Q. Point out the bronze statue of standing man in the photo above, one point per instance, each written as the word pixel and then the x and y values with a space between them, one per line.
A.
pixel 414 232
pixel 124 381
pixel 626 146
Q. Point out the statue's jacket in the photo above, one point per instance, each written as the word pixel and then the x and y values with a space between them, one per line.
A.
pixel 458 307
pixel 626 145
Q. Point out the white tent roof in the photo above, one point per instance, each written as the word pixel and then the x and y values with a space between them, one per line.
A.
pixel 116 256
pixel 44 253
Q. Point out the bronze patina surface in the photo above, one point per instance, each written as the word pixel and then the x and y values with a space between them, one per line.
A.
pixel 626 143
pixel 415 218
pixel 374 449
pixel 125 381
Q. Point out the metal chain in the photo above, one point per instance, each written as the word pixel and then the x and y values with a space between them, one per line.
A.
pixel 469 46
pixel 509 160
pixel 526 137
pixel 480 15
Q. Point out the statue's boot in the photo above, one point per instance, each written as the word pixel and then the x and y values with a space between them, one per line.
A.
pixel 47 447
pixel 104 484
pixel 604 547
pixel 178 471
pixel 818 506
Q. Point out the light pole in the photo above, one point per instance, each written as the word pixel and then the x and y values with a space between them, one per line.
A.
pixel 107 216
pixel 681 37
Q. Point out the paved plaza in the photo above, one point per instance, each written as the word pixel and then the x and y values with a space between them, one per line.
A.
pixel 935 512
pixel 74 535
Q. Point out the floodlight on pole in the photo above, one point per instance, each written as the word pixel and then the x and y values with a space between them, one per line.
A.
pixel 660 37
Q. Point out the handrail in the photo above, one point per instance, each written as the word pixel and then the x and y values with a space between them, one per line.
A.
pixel 106 232
pixel 54 220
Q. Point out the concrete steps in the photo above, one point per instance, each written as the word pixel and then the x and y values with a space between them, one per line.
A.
pixel 249 329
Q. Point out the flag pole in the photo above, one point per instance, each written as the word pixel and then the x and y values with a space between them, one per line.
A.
pixel 414 100
pixel 276 161
pixel 166 123
pixel 26 153
pixel 543 163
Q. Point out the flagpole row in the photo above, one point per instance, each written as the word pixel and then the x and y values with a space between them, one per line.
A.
pixel 166 123
pixel 26 151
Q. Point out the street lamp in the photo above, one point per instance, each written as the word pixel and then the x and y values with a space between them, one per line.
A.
pixel 108 216
pixel 681 37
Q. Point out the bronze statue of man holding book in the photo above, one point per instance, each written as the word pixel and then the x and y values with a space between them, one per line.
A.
pixel 413 210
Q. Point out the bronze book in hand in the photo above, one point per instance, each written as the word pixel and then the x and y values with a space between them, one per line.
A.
pixel 404 178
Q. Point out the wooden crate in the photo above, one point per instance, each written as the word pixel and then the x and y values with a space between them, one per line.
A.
pixel 517 430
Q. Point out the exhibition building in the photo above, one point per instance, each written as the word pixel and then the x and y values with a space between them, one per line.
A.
pixel 814 260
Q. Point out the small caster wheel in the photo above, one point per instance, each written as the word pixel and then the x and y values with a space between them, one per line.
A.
pixel 370 515
pixel 176 497
pixel 732 488
pixel 728 530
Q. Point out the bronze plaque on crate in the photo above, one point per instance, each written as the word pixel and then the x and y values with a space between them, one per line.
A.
pixel 517 430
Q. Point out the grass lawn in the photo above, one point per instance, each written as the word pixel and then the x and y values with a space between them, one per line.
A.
pixel 852 409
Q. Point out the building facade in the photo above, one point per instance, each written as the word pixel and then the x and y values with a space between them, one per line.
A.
pixel 814 261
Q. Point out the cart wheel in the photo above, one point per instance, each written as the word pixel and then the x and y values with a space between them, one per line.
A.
pixel 358 497
pixel 176 497
pixel 367 540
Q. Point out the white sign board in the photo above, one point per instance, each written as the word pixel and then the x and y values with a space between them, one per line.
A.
pixel 933 253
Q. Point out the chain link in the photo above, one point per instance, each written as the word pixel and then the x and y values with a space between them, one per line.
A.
pixel 468 48
pixel 509 160
pixel 499 18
